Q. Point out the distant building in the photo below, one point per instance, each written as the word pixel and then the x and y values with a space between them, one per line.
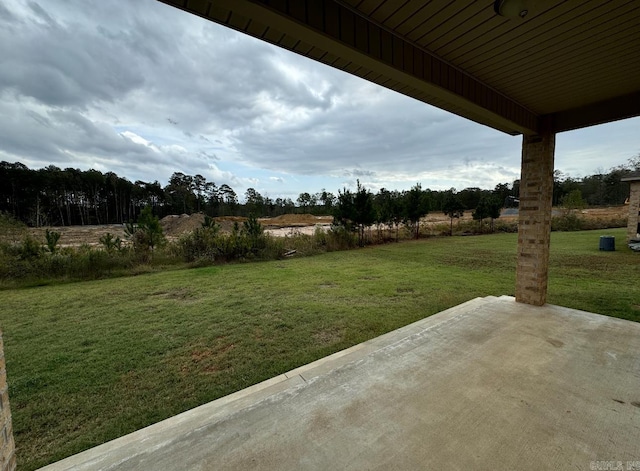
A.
pixel 511 202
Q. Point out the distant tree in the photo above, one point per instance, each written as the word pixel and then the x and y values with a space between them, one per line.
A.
pixel 365 215
pixel 515 189
pixel 573 201
pixel 304 202
pixel 502 191
pixel 383 209
pixel 488 207
pixel 452 207
pixel 416 206
pixel 211 198
pixel 180 192
pixel 326 200
pixel 470 197
pixel 200 189
pixel 481 212
pixel 592 188
pixel 495 208
pixel 343 211
pixel 558 178
pixel 228 197
pixel 355 211
pixel 269 206
pixel 254 201
pixel 288 206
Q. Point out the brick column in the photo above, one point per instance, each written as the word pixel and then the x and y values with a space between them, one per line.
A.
pixel 633 226
pixel 7 445
pixel 534 223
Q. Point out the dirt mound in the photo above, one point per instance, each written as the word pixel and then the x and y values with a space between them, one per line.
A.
pixel 175 225
pixel 226 222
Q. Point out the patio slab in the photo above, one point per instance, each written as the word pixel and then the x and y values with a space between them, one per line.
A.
pixel 489 384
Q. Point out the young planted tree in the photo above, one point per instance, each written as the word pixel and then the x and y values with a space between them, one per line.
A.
pixel 573 201
pixel 253 230
pixel 111 242
pixel 343 211
pixel 365 214
pixel 416 206
pixel 452 207
pixel 495 207
pixel 355 211
pixel 52 238
pixel 382 206
pixel 146 234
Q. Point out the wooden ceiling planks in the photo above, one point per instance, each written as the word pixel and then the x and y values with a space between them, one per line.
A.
pixel 461 56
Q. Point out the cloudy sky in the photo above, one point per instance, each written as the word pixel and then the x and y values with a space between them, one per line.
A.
pixel 147 90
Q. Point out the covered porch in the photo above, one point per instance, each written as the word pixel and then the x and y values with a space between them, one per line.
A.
pixel 495 382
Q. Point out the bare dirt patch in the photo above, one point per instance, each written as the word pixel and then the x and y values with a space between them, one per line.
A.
pixel 328 336
pixel 179 294
pixel 295 220
pixel 75 236
pixel 175 226
pixel 208 359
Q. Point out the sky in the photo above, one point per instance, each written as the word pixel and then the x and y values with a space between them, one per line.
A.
pixel 146 90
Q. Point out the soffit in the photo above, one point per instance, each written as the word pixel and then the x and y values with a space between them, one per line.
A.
pixel 577 62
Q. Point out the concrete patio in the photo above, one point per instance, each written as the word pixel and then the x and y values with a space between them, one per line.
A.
pixel 489 384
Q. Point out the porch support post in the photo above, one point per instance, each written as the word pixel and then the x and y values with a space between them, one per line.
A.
pixel 534 223
pixel 633 225
pixel 7 445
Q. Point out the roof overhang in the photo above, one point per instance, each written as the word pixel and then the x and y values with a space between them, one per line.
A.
pixel 633 177
pixel 566 65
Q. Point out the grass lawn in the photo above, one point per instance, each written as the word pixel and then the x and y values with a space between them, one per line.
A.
pixel 88 362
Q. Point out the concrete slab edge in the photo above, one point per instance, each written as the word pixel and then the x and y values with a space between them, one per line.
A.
pixel 206 414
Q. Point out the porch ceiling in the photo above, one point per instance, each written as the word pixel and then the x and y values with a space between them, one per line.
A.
pixel 570 64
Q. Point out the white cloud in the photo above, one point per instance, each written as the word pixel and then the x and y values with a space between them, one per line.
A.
pixel 148 90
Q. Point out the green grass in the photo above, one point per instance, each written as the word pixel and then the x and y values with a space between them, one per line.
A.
pixel 90 361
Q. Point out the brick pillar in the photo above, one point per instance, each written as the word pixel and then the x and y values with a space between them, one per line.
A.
pixel 633 226
pixel 7 445
pixel 534 223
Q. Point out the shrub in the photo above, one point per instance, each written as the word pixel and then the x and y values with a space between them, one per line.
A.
pixel 149 233
pixel 340 238
pixel 52 238
pixel 111 243
pixel 30 248
pixel 253 232
pixel 567 222
pixel 12 231
pixel 201 245
pixel 146 234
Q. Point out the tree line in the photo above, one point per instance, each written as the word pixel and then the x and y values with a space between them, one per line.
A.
pixel 52 196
